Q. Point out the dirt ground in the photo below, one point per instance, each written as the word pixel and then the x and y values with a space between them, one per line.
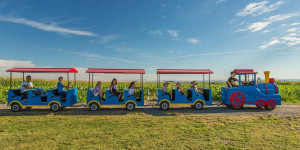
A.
pixel 285 110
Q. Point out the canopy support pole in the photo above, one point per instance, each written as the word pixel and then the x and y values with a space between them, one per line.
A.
pixel 92 79
pixel 142 81
pixel 156 80
pixel 23 77
pixel 209 81
pixel 89 79
pixel 75 79
pixel 203 81
pixel 10 80
pixel 68 80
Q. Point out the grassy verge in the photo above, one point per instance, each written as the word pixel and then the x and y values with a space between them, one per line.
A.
pixel 141 131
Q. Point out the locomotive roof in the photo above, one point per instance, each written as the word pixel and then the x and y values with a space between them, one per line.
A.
pixel 245 71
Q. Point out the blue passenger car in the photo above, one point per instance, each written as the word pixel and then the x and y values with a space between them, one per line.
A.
pixel 39 97
pixel 130 102
pixel 193 98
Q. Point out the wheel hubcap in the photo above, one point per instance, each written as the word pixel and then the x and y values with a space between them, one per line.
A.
pixel 130 106
pixel 93 107
pixel 164 106
pixel 15 107
pixel 55 107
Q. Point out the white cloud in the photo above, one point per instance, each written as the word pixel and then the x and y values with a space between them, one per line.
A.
pixel 256 26
pixel 266 31
pixel 193 40
pixel 220 1
pixel 171 52
pixel 291 40
pixel 292 30
pixel 6 64
pixel 45 27
pixel 258 8
pixel 281 17
pixel 174 34
pixel 294 24
pixel 293 34
pixel 261 25
pixel 155 32
pixel 95 56
pixel 108 38
pixel 273 42
pixel 165 4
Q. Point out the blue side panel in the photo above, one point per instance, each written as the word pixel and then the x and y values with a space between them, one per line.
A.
pixel 91 97
pixel 113 100
pixel 161 96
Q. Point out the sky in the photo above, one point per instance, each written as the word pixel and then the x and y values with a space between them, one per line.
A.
pixel 220 35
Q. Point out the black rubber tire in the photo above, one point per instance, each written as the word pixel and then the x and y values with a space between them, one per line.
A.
pixel 54 107
pixel 15 107
pixel 164 105
pixel 94 106
pixel 268 108
pixel 237 108
pixel 198 105
pixel 130 106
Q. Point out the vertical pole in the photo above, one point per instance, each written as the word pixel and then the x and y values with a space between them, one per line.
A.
pixel 156 80
pixel 75 79
pixel 203 81
pixel 240 80
pixel 89 79
pixel 23 77
pixel 68 79
pixel 142 81
pixel 92 79
pixel 10 80
pixel 209 81
pixel 254 81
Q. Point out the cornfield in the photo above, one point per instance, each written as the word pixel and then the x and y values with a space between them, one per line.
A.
pixel 290 91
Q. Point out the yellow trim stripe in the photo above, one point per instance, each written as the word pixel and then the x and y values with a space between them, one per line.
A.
pixel 33 105
pixel 182 103
pixel 54 102
pixel 93 101
pixel 111 105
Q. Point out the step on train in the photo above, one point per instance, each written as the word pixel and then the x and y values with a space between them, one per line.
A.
pixel 247 92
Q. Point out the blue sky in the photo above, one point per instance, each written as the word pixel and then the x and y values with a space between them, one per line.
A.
pixel 220 35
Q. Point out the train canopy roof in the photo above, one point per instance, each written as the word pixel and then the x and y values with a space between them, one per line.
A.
pixel 44 70
pixel 118 71
pixel 184 71
pixel 244 71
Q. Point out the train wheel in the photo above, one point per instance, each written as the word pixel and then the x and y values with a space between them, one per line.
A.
pixel 15 107
pixel 54 107
pixel 198 105
pixel 260 103
pixel 94 106
pixel 164 105
pixel 130 106
pixel 237 100
pixel 271 104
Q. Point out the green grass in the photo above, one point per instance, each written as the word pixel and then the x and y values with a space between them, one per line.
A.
pixel 141 131
pixel 290 91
